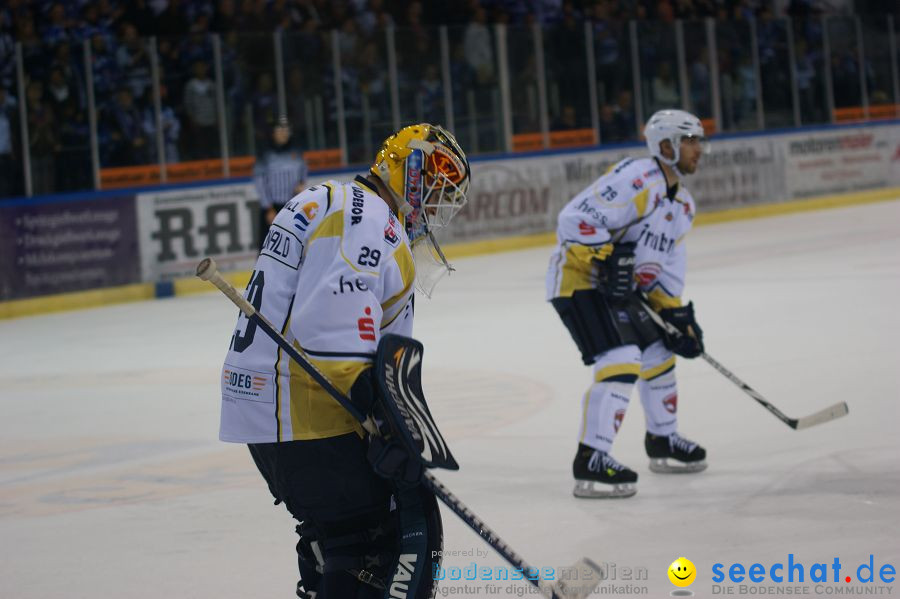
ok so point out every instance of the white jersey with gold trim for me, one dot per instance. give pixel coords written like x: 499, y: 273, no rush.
x: 630, y: 203
x: 334, y: 274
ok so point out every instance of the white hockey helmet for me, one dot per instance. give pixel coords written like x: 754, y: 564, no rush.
x: 673, y: 125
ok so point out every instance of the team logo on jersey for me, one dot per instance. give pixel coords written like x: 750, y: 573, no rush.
x: 671, y: 403
x: 391, y: 231
x: 366, y: 326
x: 586, y: 229
x: 618, y: 417
x: 637, y: 183
x: 647, y: 273
x: 669, y: 216
x: 652, y: 172
x: 307, y: 213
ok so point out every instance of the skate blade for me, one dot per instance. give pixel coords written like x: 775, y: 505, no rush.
x: 593, y: 490
x: 663, y: 466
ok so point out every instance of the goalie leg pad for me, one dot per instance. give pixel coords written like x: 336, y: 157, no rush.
x: 421, y: 542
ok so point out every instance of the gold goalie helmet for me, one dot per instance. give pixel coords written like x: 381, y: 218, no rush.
x: 427, y: 173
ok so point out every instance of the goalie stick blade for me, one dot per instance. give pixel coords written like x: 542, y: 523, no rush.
x: 822, y: 416
x: 586, y: 576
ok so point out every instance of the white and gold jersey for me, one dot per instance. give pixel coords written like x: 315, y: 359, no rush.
x: 334, y: 274
x: 630, y: 203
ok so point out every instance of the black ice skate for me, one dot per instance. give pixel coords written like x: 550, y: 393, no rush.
x: 597, y: 474
x: 674, y: 454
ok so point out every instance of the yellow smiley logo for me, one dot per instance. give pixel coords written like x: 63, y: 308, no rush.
x: 682, y: 572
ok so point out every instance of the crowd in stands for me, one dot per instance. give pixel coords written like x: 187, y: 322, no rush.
x: 52, y: 36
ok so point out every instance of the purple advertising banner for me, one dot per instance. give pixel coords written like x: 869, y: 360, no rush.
x: 49, y: 248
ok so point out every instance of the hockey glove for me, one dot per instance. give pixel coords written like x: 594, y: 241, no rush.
x: 388, y: 457
x: 616, y: 273
x: 690, y: 343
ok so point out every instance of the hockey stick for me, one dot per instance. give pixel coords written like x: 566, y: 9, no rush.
x: 822, y: 416
x: 207, y: 271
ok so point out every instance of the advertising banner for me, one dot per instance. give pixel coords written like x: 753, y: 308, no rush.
x: 841, y: 160
x: 178, y: 228
x: 56, y: 248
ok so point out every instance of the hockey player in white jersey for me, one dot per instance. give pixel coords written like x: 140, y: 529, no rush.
x: 618, y: 240
x: 336, y: 272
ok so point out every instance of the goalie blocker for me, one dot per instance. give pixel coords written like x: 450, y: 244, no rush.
x: 409, y: 439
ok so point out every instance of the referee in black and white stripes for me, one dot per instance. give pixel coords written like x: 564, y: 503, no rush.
x: 278, y: 175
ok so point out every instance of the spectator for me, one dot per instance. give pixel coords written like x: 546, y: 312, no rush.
x: 43, y: 143
x: 92, y: 24
x: 103, y: 65
x: 700, y: 83
x: 252, y: 16
x: 625, y: 116
x: 171, y: 21
x: 264, y: 108
x: 609, y: 125
x: 430, y: 95
x: 298, y: 96
x: 479, y: 50
x: 610, y: 73
x: 126, y: 132
x: 567, y: 120
x: 73, y: 160
x: 57, y: 30
x: 133, y: 62
x: 664, y: 88
x: 58, y: 91
x: 72, y: 72
x: 747, y: 89
x: 224, y: 17
x: 7, y: 54
x: 140, y: 15
x: 8, y: 163
x: 200, y: 110
x: 171, y: 128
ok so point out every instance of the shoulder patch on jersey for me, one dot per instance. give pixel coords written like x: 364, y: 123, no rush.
x: 305, y: 214
x: 392, y: 230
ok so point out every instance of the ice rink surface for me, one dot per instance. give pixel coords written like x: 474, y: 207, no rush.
x: 114, y: 484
